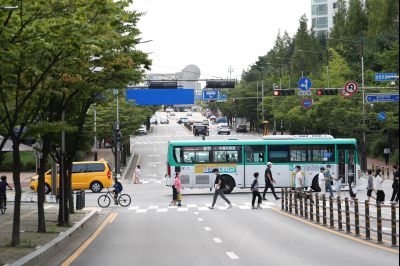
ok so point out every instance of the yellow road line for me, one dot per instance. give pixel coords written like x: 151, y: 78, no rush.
x: 338, y: 233
x: 82, y: 248
x: 113, y: 218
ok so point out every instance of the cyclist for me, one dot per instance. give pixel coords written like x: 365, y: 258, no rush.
x: 117, y: 189
x: 3, y: 196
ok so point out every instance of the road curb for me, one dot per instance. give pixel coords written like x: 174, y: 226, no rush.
x: 128, y: 171
x: 56, y: 244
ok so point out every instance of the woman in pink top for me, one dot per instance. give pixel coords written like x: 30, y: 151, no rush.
x: 178, y: 187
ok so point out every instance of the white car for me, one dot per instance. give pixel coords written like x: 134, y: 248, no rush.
x: 142, y: 130
x: 168, y: 110
x: 224, y: 129
x: 188, y: 114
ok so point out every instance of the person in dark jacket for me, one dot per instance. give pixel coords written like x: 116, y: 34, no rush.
x: 395, y: 185
x: 256, y: 193
x: 219, y: 185
x: 269, y: 181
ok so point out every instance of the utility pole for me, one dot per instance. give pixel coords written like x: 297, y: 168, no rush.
x: 364, y: 146
x: 230, y: 70
x: 262, y: 100
x: 116, y: 139
x: 95, y: 131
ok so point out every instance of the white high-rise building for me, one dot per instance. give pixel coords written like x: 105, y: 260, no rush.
x: 322, y: 12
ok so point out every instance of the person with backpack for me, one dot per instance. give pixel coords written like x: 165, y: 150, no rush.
x: 395, y: 185
x: 256, y: 193
x: 117, y: 189
x: 219, y: 185
x: 328, y: 179
x: 380, y: 194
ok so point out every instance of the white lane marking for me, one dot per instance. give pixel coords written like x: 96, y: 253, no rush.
x: 222, y: 207
x: 244, y: 207
x: 200, y: 219
x: 203, y: 208
x: 217, y: 240
x: 48, y: 207
x: 153, y: 207
x: 172, y: 207
x: 386, y: 229
x: 162, y: 210
x: 158, y: 182
x: 192, y: 205
x: 233, y: 204
x: 141, y: 210
x: 196, y: 213
x: 206, y: 228
x: 145, y: 182
x: 182, y: 209
x: 133, y: 208
x: 232, y: 255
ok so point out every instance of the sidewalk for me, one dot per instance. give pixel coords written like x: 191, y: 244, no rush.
x: 30, y: 239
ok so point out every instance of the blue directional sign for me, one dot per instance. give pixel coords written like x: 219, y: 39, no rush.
x: 386, y: 76
x: 209, y: 95
x: 160, y: 96
x: 382, y: 97
x: 381, y: 116
x: 304, y: 84
x: 222, y: 98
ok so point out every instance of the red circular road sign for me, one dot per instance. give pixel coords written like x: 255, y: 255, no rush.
x: 351, y: 87
x: 345, y: 93
x: 307, y: 102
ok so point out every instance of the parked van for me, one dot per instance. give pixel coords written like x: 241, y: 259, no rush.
x: 93, y: 175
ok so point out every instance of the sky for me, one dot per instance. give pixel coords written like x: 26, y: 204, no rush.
x: 214, y: 34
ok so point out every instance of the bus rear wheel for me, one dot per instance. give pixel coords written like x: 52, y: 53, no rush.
x: 230, y: 184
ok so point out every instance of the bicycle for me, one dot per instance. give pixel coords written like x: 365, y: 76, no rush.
x: 105, y: 200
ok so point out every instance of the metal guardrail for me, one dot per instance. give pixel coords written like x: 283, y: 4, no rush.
x: 303, y: 204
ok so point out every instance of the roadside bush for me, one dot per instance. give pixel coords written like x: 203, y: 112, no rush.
x: 28, y: 161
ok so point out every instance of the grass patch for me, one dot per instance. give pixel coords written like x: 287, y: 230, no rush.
x: 28, y: 161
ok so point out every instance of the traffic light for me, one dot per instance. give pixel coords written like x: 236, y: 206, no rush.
x: 328, y: 92
x: 283, y: 92
x: 220, y: 83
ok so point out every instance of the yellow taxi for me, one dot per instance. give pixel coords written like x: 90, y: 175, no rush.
x: 93, y: 175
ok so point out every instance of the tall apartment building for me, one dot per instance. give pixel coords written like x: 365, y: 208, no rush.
x: 322, y: 12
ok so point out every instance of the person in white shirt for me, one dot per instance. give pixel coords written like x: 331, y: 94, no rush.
x: 138, y: 175
x: 321, y: 180
x: 378, y: 187
x: 298, y: 179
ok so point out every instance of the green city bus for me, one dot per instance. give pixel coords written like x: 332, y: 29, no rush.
x: 238, y: 160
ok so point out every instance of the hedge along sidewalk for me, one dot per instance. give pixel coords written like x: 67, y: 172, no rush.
x: 31, y: 241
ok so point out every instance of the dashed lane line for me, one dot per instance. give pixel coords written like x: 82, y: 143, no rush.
x: 217, y: 240
x: 232, y: 255
x: 206, y: 228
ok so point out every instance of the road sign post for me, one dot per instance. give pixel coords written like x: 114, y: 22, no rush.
x: 351, y: 87
x: 381, y: 116
x: 307, y: 102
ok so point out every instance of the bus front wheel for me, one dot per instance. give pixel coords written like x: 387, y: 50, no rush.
x: 230, y: 184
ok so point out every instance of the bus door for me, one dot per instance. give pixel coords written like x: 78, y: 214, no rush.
x: 346, y: 163
x: 254, y: 161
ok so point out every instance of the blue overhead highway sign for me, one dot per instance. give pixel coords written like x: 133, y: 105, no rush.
x: 209, y: 95
x: 386, y: 76
x: 382, y: 97
x: 304, y: 84
x: 159, y: 97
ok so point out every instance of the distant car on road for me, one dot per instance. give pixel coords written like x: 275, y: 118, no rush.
x: 183, y: 120
x: 205, y: 122
x: 188, y: 114
x: 224, y: 129
x: 169, y: 110
x: 164, y: 120
x: 199, y: 129
x: 241, y: 128
x: 172, y: 114
x: 153, y: 120
x: 222, y: 120
x: 142, y: 130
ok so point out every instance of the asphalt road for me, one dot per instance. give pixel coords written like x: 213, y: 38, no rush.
x: 151, y: 233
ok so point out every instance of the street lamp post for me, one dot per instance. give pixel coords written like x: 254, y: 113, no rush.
x: 116, y: 137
